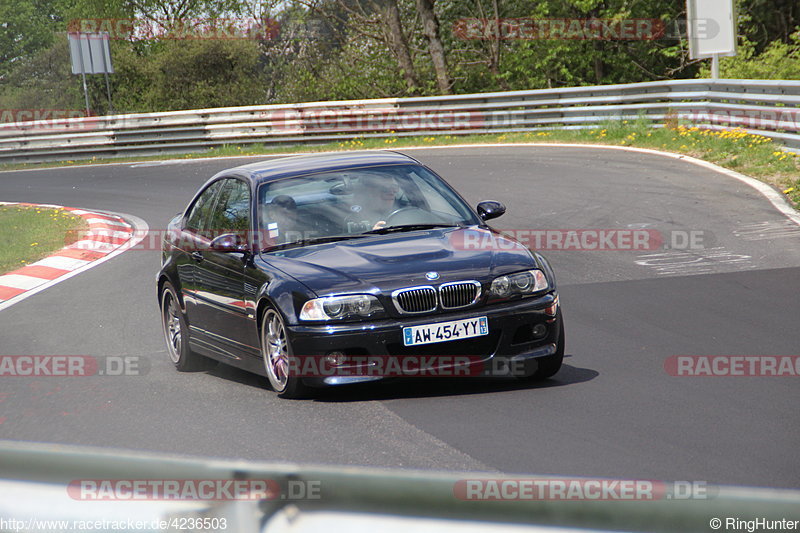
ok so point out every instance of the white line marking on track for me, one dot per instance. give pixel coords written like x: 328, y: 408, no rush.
x: 695, y: 262
x: 94, y: 246
x: 64, y: 263
x: 105, y: 221
x: 19, y: 281
x: 108, y: 233
x: 762, y: 231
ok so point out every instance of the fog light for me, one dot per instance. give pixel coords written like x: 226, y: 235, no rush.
x: 335, y: 358
x: 539, y: 331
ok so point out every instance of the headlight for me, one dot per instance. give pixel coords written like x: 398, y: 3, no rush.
x: 519, y: 284
x: 341, y: 307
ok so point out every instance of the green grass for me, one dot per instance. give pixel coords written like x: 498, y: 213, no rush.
x: 28, y: 234
x: 752, y: 155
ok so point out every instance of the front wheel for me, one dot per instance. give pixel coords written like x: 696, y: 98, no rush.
x: 276, y: 349
x: 176, y: 334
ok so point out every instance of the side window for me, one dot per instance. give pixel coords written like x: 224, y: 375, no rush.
x: 201, y: 210
x: 232, y: 212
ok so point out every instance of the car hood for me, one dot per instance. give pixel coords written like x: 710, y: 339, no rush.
x: 387, y: 262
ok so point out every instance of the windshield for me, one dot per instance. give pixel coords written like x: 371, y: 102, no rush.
x: 350, y: 203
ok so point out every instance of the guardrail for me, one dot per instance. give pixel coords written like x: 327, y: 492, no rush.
x: 353, y: 498
x: 764, y: 107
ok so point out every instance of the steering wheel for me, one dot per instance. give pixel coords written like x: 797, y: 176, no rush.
x: 413, y: 215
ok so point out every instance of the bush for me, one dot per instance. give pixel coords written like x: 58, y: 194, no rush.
x: 778, y: 61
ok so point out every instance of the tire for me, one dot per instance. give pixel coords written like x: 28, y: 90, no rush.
x: 176, y: 334
x: 550, y: 365
x: 276, y: 349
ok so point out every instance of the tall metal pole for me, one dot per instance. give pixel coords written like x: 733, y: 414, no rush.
x: 106, y: 55
x: 108, y: 93
x: 86, y: 94
x: 83, y: 77
x: 715, y: 66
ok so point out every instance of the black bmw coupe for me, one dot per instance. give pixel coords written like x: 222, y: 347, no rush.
x: 347, y: 267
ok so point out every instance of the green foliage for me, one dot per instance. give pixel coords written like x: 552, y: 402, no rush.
x: 361, y: 69
x: 195, y: 74
x: 43, y: 80
x: 550, y: 62
x: 342, y: 53
x: 25, y: 28
x: 778, y: 61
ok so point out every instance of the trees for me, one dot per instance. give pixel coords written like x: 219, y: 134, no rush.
x: 430, y: 28
x: 779, y: 60
x: 356, y: 49
x: 25, y: 28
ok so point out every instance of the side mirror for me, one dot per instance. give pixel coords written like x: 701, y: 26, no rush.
x: 489, y: 209
x: 228, y: 243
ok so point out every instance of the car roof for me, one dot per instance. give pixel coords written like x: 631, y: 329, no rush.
x: 285, y: 167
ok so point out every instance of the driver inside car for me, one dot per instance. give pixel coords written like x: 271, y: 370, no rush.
x: 375, y: 200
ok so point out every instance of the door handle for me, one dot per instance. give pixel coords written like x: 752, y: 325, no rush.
x: 197, y: 256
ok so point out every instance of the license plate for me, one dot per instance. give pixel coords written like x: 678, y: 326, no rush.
x: 446, y: 331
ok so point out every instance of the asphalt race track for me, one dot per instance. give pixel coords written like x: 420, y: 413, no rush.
x: 612, y: 411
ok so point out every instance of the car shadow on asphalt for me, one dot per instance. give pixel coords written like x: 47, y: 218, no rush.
x: 405, y: 388
x: 399, y: 388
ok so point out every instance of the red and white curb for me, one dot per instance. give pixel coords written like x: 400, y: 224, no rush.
x: 108, y: 235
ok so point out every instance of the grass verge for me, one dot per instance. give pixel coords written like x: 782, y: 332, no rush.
x: 753, y: 155
x: 28, y: 234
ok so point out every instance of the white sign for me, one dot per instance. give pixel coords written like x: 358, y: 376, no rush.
x: 712, y: 28
x: 90, y: 53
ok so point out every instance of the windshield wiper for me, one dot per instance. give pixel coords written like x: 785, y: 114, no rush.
x: 408, y: 227
x: 316, y: 240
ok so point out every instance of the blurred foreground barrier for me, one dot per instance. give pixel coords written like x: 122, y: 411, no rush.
x: 46, y: 487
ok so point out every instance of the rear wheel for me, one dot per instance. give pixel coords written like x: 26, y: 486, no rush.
x: 176, y: 334
x: 276, y: 349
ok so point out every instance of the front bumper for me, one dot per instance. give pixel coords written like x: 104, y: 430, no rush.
x: 508, y: 350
